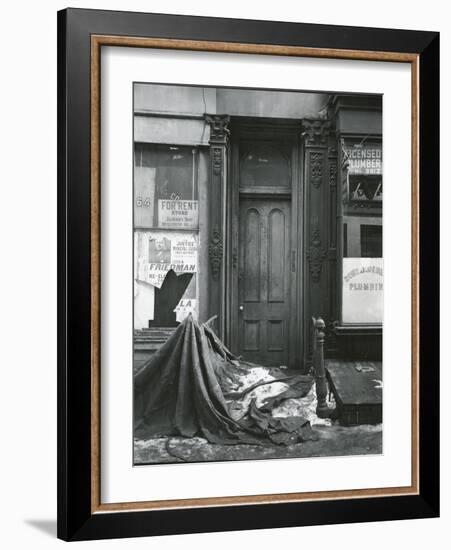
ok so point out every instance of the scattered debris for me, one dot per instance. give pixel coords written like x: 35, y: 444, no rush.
x: 194, y: 386
x: 195, y: 401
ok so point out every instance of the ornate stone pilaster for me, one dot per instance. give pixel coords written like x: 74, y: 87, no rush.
x: 316, y: 168
x: 219, y: 134
x: 315, y: 254
x: 332, y: 167
x: 333, y: 177
x: 215, y: 253
x: 316, y: 131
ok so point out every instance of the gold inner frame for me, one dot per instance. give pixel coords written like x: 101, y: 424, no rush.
x: 97, y: 41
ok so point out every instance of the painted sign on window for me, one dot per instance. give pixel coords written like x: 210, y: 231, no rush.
x: 363, y: 290
x: 178, y: 214
x: 144, y: 191
x: 364, y: 159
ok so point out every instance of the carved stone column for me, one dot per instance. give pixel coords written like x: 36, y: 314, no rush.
x: 315, y: 132
x: 334, y: 234
x: 219, y: 134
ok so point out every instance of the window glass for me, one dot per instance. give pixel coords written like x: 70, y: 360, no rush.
x: 362, y: 236
x: 166, y: 221
x: 371, y: 241
x: 362, y: 198
x: 265, y: 165
x: 365, y: 191
x: 166, y: 190
x: 362, y: 285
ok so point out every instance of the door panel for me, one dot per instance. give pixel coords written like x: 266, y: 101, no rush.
x: 276, y: 255
x: 252, y: 255
x: 264, y: 280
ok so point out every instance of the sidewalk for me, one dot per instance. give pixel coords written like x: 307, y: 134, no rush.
x: 332, y: 440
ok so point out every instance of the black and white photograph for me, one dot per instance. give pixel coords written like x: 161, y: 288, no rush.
x: 258, y: 272
x: 234, y: 309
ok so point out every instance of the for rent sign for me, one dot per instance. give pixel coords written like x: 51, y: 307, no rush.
x: 178, y: 214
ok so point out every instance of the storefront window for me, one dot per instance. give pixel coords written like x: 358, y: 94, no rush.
x: 362, y: 285
x: 166, y: 222
x: 371, y: 241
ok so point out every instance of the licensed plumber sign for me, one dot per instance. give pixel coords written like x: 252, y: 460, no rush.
x: 364, y: 159
x: 363, y: 290
x: 178, y: 214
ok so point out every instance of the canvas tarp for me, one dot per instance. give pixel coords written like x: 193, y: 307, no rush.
x: 191, y: 387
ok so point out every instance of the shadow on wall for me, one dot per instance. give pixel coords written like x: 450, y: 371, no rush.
x: 46, y: 526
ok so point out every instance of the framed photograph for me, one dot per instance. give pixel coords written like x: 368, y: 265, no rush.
x: 248, y: 274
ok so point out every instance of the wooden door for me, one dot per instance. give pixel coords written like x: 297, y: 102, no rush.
x: 264, y: 280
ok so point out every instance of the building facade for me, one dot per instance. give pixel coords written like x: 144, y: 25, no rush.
x: 262, y: 209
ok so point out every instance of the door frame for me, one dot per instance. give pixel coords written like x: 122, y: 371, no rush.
x: 266, y: 130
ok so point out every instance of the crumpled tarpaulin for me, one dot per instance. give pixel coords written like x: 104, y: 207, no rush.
x: 191, y: 385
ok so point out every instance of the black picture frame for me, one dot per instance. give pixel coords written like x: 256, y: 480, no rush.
x: 76, y: 520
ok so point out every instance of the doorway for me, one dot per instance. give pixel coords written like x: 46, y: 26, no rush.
x: 264, y: 281
x: 265, y: 274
